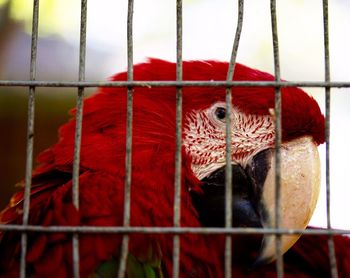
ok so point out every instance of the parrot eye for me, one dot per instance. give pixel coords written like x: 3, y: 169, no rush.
x: 220, y: 113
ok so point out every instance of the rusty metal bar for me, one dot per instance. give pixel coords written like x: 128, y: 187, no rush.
x: 278, y: 139
x: 178, y: 146
x: 30, y: 137
x: 78, y: 133
x: 128, y: 154
x: 169, y: 230
x: 148, y: 84
x: 239, y: 26
x: 331, y: 247
x: 228, y: 169
x: 228, y: 186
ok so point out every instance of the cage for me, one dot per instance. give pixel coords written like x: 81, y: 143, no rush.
x: 177, y: 230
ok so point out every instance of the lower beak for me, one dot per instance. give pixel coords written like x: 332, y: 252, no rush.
x: 254, y: 194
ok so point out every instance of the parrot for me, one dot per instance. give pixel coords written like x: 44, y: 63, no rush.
x: 202, y: 180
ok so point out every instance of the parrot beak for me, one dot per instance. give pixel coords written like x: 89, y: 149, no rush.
x: 253, y: 199
x: 300, y: 186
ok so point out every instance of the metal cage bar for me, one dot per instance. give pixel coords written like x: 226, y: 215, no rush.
x: 228, y: 168
x: 178, y: 143
x: 170, y: 230
x: 150, y: 83
x: 278, y: 138
x: 78, y: 133
x: 30, y: 137
x: 128, y: 153
x: 331, y: 248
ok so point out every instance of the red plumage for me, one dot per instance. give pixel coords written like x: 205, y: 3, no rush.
x: 102, y: 175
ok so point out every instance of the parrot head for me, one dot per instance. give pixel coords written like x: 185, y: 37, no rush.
x: 253, y: 161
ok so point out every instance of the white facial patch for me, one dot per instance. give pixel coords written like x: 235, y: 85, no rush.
x: 205, y: 137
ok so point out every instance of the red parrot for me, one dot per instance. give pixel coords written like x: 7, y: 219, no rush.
x: 102, y: 173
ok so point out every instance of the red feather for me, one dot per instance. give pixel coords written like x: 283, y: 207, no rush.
x: 103, y: 169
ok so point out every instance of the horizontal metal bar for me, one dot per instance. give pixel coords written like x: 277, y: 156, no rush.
x: 72, y: 84
x: 169, y: 230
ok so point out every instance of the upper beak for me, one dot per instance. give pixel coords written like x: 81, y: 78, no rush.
x: 300, y: 187
x: 254, y: 194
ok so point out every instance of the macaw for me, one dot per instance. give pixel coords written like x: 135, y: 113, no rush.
x: 102, y: 174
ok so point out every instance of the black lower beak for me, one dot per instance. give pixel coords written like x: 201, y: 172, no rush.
x: 247, y: 206
x: 211, y: 204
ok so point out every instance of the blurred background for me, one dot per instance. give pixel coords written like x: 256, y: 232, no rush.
x: 209, y: 28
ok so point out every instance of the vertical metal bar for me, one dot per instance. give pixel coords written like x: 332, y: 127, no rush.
x: 332, y: 257
x: 30, y: 137
x: 78, y: 133
x: 228, y: 170
x: 278, y: 138
x: 178, y: 158
x: 128, y: 155
x: 228, y: 186
x: 239, y: 26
